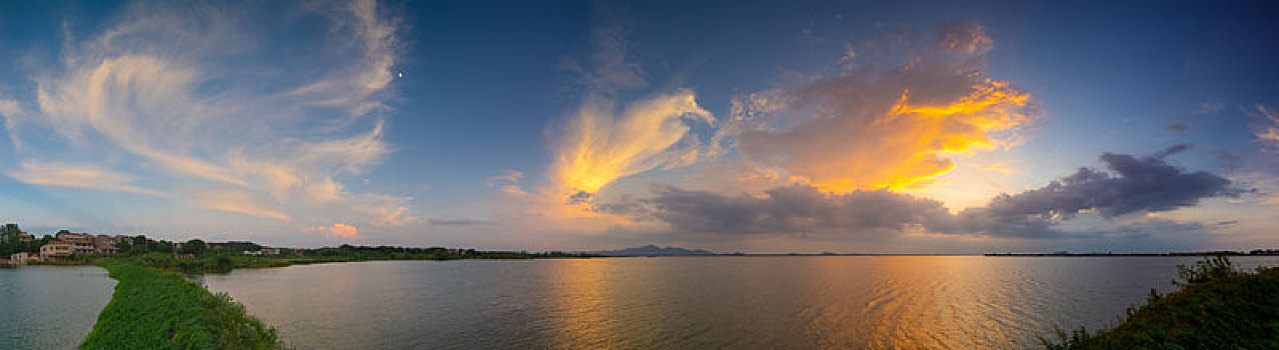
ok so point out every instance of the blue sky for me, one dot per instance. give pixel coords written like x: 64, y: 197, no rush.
x: 734, y: 126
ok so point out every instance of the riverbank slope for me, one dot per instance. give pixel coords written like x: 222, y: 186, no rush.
x: 154, y: 309
x: 1219, y: 307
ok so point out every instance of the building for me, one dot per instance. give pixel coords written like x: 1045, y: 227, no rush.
x: 83, y: 242
x: 104, y: 244
x: 263, y: 251
x: 101, y: 240
x: 57, y: 249
x: 86, y: 244
x: 20, y: 258
x: 24, y: 237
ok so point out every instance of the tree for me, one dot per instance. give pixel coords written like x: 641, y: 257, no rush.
x: 36, y: 244
x: 140, y: 243
x: 7, y: 245
x: 162, y: 246
x: 124, y: 246
x: 9, y: 241
x: 194, y: 246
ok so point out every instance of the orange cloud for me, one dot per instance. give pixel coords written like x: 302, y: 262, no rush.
x: 339, y: 230
x: 897, y: 128
x: 236, y: 201
x: 597, y: 147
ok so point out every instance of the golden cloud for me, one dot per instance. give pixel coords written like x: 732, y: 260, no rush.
x: 598, y: 147
x: 897, y: 128
x: 339, y: 230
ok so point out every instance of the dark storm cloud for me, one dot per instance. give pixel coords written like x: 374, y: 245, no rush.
x: 1132, y: 184
x: 1129, y: 185
x: 788, y: 209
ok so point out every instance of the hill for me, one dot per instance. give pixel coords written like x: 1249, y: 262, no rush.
x: 653, y: 250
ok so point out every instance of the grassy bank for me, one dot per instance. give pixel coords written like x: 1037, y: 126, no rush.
x: 154, y: 309
x: 1218, y: 307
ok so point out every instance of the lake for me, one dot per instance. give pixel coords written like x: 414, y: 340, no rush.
x: 50, y: 307
x: 698, y: 302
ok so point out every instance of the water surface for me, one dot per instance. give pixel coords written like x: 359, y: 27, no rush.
x: 50, y: 307
x: 698, y: 302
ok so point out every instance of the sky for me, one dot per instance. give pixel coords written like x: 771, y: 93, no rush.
x: 735, y: 126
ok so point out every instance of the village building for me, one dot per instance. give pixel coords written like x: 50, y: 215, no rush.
x: 263, y: 251
x: 84, y: 243
x: 20, y: 258
x: 57, y: 249
x: 105, y: 244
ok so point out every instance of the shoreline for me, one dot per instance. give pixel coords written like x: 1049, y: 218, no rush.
x: 135, y: 292
x: 1217, y: 305
x: 1170, y: 254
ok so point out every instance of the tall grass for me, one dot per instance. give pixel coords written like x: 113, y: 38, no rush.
x: 154, y: 309
x: 1217, y: 307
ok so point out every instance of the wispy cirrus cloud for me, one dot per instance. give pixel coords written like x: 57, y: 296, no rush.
x: 201, y: 101
x: 1267, y: 131
x: 598, y: 147
x: 605, y: 139
x: 84, y: 176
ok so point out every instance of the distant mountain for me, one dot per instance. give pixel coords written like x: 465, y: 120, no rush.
x: 652, y: 250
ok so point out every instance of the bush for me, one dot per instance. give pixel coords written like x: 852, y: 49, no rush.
x: 1208, y: 269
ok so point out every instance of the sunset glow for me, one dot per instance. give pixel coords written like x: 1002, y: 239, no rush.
x: 762, y: 127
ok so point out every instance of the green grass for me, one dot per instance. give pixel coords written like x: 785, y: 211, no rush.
x: 154, y: 309
x: 1218, y: 307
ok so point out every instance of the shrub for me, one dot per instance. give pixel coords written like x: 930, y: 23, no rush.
x: 1205, y: 270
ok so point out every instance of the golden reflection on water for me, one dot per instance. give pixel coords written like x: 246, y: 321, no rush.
x: 695, y: 302
x: 836, y: 302
x: 580, y: 304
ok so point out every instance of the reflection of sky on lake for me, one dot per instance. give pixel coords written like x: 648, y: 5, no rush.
x: 50, y: 307
x: 720, y: 302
